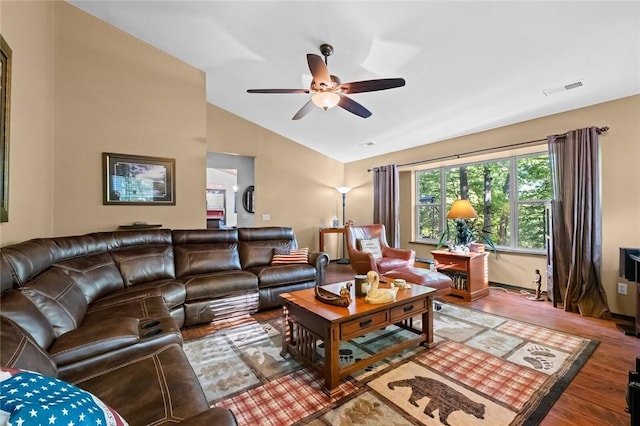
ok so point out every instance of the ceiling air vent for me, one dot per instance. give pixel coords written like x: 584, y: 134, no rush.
x: 564, y: 88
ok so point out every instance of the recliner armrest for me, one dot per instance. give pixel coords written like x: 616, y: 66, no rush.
x: 362, y: 262
x: 319, y: 260
x: 404, y: 254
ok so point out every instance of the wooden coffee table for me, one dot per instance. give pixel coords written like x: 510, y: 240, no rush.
x: 308, y: 321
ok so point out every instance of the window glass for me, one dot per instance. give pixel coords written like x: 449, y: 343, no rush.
x: 531, y: 226
x: 429, y: 210
x: 486, y: 186
x: 510, y: 221
x: 534, y: 181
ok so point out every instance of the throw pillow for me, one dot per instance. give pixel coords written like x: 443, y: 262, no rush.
x: 31, y: 398
x: 282, y: 250
x: 294, y: 256
x: 372, y: 246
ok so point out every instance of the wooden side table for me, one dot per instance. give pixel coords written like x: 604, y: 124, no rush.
x: 469, y: 272
x: 329, y: 231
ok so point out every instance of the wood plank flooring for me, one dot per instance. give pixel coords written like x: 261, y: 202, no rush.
x: 595, y: 397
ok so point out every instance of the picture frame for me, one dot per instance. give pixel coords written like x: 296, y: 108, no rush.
x: 5, y: 107
x: 138, y: 180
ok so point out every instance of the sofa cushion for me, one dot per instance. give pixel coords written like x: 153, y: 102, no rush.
x: 141, y: 307
x: 23, y: 261
x: 59, y: 299
x: 220, y: 284
x: 23, y: 312
x: 280, y: 275
x: 388, y: 263
x: 96, y: 275
x: 142, y: 264
x: 257, y: 244
x: 171, y: 290
x: 94, y: 339
x: 63, y: 401
x: 152, y: 388
x: 192, y: 259
x: 19, y: 350
x: 254, y: 254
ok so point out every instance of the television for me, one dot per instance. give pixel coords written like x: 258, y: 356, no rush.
x: 630, y: 264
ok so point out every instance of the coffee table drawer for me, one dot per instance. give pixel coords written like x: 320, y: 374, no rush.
x: 407, y: 310
x: 363, y: 325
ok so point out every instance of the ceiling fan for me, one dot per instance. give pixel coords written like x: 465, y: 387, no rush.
x: 328, y: 91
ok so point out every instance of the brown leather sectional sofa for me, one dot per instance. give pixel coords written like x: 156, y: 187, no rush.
x: 104, y: 310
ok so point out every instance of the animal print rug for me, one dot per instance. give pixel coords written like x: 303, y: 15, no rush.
x: 483, y: 370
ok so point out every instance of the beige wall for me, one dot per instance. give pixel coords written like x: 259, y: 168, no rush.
x: 115, y: 93
x: 620, y: 191
x: 28, y: 29
x: 295, y: 185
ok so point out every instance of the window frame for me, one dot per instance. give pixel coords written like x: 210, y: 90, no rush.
x: 514, y: 201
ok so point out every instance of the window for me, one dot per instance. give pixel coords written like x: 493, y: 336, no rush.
x: 510, y: 210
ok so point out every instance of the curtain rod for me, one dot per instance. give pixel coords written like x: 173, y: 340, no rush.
x: 600, y: 130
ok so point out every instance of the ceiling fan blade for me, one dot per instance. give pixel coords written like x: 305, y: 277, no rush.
x: 353, y: 107
x: 372, y: 85
x: 278, y: 91
x: 306, y: 109
x: 318, y: 70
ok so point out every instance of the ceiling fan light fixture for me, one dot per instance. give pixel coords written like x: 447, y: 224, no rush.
x: 325, y: 100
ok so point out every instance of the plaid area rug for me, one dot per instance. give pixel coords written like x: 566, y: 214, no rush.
x: 483, y: 370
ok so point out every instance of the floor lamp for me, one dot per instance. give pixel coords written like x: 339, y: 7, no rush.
x: 343, y: 190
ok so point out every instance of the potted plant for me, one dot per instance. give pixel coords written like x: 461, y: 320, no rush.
x: 464, y: 234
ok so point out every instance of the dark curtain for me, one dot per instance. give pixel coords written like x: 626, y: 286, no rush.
x: 576, y: 219
x: 386, y: 201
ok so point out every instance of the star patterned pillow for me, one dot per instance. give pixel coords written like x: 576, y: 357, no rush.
x: 28, y: 398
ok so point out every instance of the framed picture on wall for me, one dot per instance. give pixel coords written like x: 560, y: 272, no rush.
x: 138, y: 180
x: 5, y: 98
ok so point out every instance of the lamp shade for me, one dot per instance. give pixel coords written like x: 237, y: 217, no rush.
x: 344, y: 189
x: 462, y: 209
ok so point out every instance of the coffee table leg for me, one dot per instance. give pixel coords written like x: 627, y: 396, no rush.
x: 332, y: 361
x: 427, y: 323
x: 286, y: 331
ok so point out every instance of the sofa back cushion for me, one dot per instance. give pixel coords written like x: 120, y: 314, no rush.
x: 59, y: 299
x: 197, y: 259
x: 205, y: 251
x: 95, y: 275
x: 17, y: 307
x: 143, y: 264
x: 23, y: 261
x: 257, y: 244
x: 20, y: 350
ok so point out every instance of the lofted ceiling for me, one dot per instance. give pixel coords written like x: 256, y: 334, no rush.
x: 469, y: 65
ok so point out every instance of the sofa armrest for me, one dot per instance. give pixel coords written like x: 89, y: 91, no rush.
x: 90, y: 341
x: 218, y: 416
x: 362, y: 262
x: 404, y: 254
x: 319, y: 260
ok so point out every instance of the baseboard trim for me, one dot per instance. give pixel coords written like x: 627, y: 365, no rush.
x: 513, y: 287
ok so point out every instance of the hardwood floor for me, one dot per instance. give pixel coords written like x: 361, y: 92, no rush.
x: 597, y: 394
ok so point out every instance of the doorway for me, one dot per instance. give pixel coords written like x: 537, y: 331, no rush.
x: 228, y: 177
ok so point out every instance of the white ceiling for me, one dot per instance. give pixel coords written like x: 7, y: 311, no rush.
x: 469, y: 66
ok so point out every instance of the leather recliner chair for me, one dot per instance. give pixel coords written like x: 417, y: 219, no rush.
x: 363, y: 262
